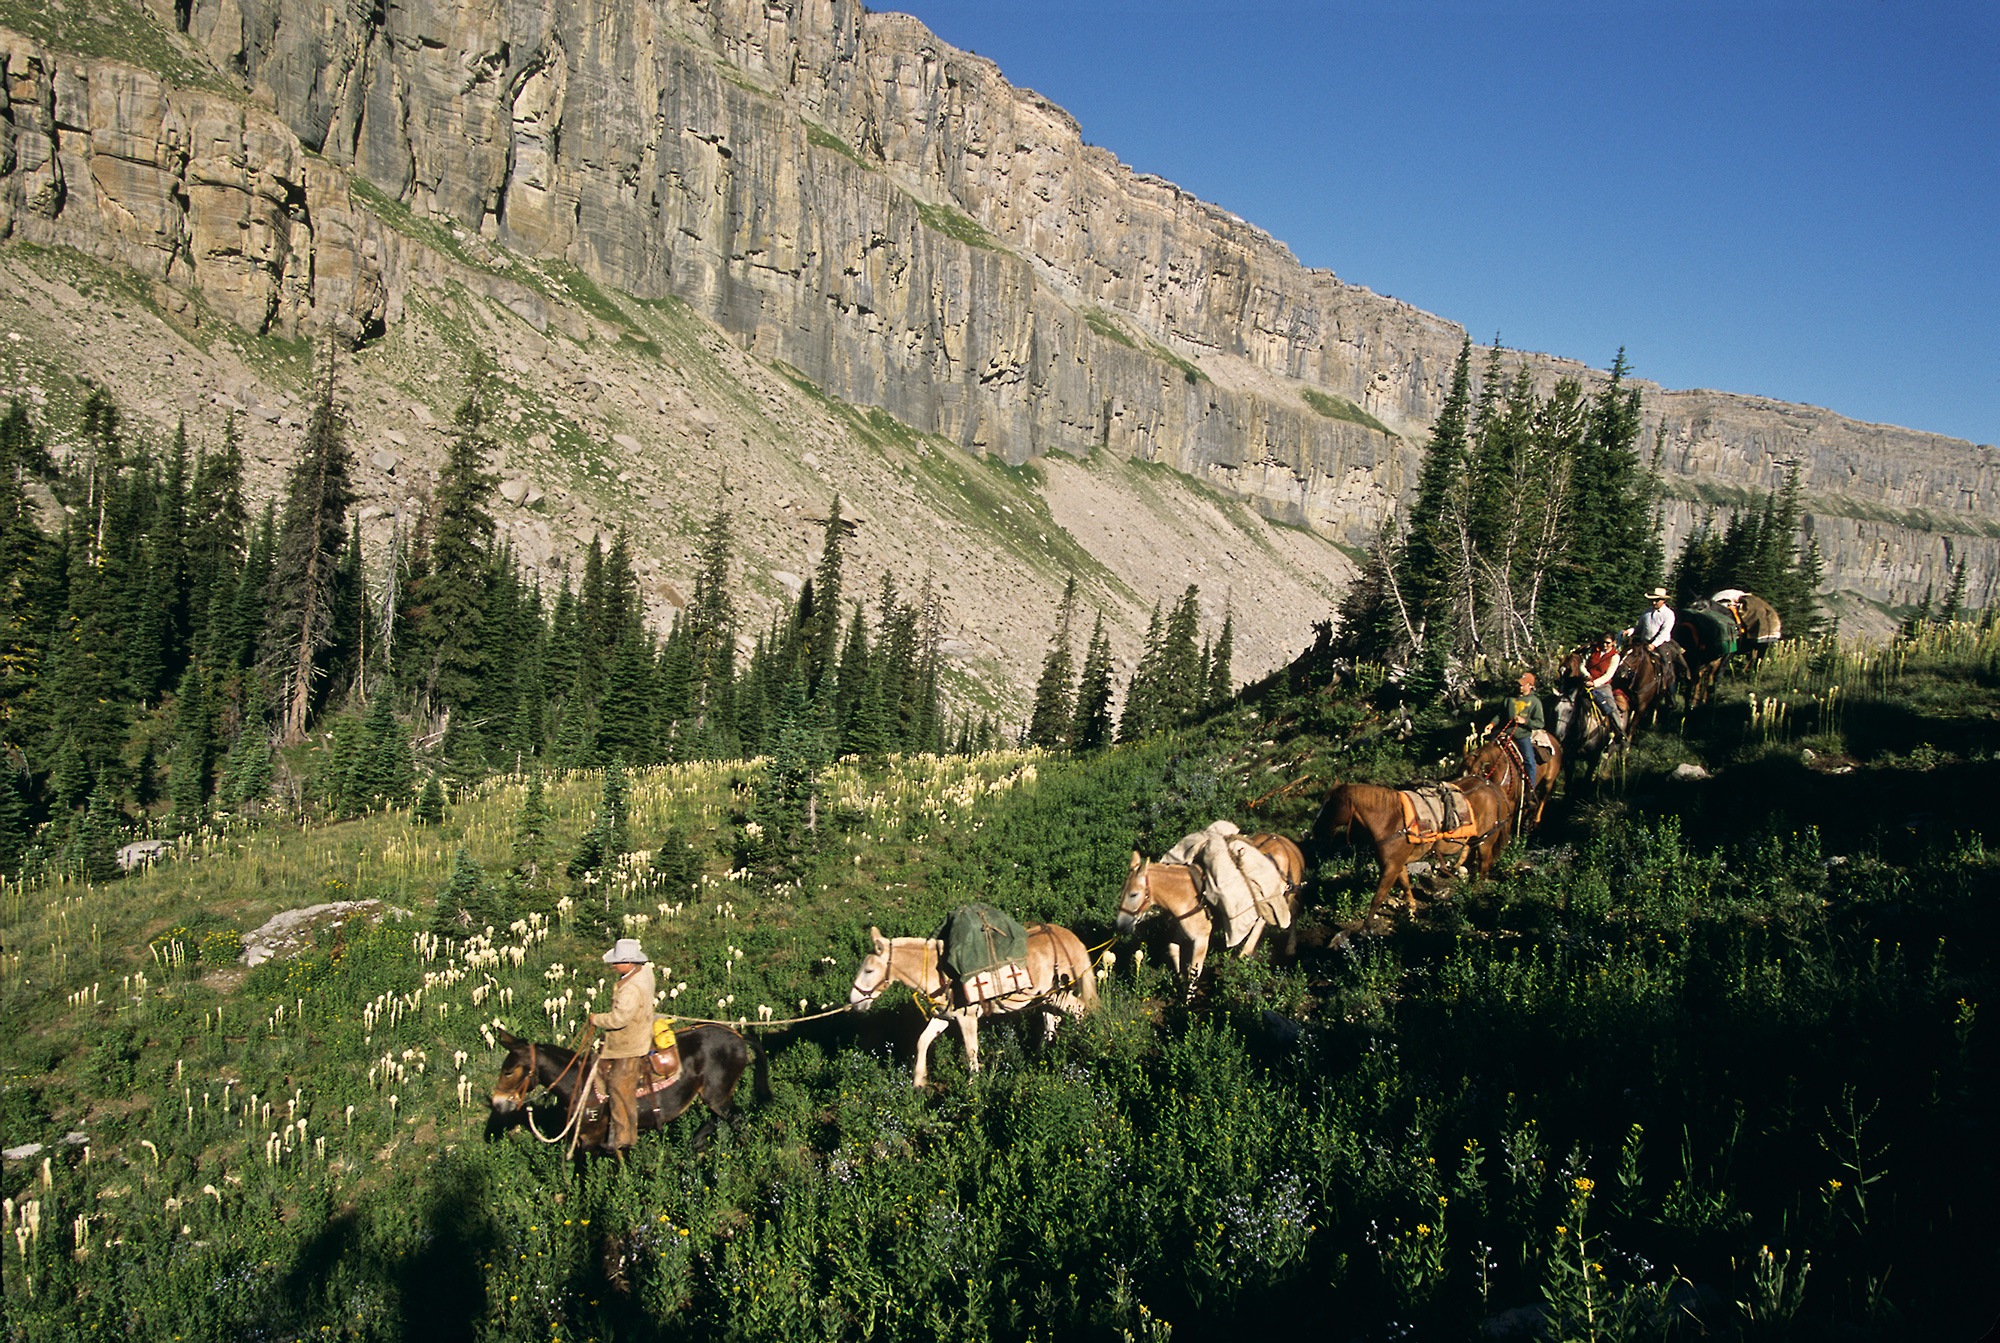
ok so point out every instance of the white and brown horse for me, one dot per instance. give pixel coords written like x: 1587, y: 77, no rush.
x: 1058, y: 973
x: 1179, y: 890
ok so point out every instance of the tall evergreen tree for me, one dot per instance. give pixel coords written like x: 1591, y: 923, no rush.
x: 1429, y: 568
x: 1143, y: 716
x: 305, y: 566
x: 1092, y: 728
x: 1053, y: 720
x: 820, y: 627
x: 1221, y: 677
x: 453, y: 594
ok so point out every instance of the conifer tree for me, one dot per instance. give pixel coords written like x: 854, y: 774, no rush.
x: 1428, y: 568
x: 25, y: 594
x: 430, y: 803
x: 610, y: 835
x: 1142, y: 715
x: 1092, y: 728
x: 193, y: 752
x: 305, y: 565
x: 1181, y: 687
x: 1221, y: 678
x: 1053, y: 720
x: 1614, y: 549
x: 711, y: 629
x: 532, y: 825
x: 464, y: 906
x: 453, y: 595
x: 819, y: 627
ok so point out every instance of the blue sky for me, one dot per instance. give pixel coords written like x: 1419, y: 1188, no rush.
x: 1790, y: 199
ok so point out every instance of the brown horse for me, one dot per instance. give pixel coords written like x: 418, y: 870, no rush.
x: 1706, y: 638
x: 713, y: 1060
x: 1497, y: 763
x: 1639, y: 678
x: 1380, y: 812
x: 1058, y: 972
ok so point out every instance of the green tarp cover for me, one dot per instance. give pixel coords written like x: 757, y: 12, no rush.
x: 1716, y: 631
x: 979, y: 937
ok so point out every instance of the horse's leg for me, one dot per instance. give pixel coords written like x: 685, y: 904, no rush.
x: 932, y: 1031
x: 968, y: 1032
x: 1249, y: 946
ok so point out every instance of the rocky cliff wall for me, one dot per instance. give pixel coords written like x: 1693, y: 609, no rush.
x: 848, y: 195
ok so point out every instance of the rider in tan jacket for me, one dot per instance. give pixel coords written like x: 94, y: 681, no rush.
x: 628, y: 1035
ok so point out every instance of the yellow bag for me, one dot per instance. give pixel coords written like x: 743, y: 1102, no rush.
x: 663, y: 1034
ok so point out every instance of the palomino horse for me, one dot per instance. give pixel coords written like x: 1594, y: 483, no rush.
x: 1497, y: 763
x: 1380, y: 812
x: 1179, y: 890
x: 1058, y: 971
x: 713, y: 1059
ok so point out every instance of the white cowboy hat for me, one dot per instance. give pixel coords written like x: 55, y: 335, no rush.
x: 1657, y: 595
x: 626, y: 952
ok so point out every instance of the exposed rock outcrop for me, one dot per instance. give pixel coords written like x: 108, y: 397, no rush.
x: 848, y: 196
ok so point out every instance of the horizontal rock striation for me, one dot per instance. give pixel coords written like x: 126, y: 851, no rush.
x: 850, y: 196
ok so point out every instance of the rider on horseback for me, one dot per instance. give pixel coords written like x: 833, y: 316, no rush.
x: 1654, y: 632
x: 1522, y: 716
x: 628, y: 1038
x: 1599, y: 666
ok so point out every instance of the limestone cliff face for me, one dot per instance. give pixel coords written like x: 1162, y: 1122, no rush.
x: 846, y: 194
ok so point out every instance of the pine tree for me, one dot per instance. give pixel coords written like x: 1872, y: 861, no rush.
x: 1221, y: 679
x: 1053, y: 720
x: 711, y: 628
x: 430, y: 803
x: 97, y: 847
x: 193, y: 752
x: 820, y: 627
x: 218, y: 532
x: 532, y: 825
x: 1093, y: 727
x: 1142, y: 716
x: 1181, y: 683
x: 1614, y: 539
x: 1428, y: 569
x: 610, y: 835
x: 454, y: 593
x: 300, y: 603
x: 464, y: 906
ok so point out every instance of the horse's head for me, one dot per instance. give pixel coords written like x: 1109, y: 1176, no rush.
x: 1492, y: 762
x: 517, y: 1074
x: 873, y: 976
x: 1137, y: 897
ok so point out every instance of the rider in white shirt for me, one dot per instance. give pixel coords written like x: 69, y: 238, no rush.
x: 1654, y: 632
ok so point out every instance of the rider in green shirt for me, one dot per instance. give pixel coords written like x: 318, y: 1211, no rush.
x: 1522, y: 716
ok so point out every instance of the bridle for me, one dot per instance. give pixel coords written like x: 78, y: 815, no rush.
x: 528, y: 1081
x: 1141, y: 888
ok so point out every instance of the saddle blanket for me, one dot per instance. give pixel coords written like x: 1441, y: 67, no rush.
x: 996, y: 982
x: 1545, y: 744
x: 1436, y: 813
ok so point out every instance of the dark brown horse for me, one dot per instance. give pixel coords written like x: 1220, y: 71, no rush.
x: 713, y: 1060
x: 1380, y: 812
x: 1498, y: 764
x: 1707, y: 638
